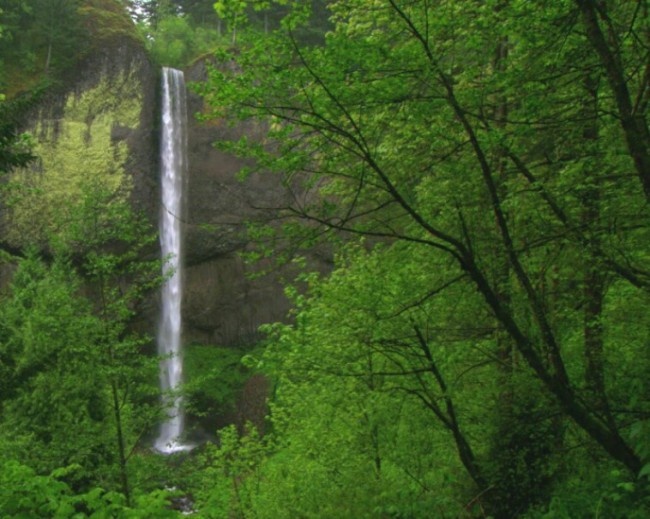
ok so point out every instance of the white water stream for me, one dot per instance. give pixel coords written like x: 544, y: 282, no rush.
x: 173, y: 161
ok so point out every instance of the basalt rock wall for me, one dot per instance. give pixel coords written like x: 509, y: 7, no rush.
x: 98, y: 129
x: 223, y: 305
x: 102, y: 127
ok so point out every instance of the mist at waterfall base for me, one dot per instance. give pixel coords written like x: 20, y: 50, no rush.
x: 173, y: 161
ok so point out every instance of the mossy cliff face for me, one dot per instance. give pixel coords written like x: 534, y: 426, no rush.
x: 102, y: 128
x: 97, y: 131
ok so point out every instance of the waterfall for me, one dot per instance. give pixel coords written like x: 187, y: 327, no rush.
x: 173, y: 162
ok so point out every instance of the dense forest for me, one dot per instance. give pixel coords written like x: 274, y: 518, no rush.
x: 479, y: 174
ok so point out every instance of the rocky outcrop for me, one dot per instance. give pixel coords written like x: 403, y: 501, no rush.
x: 223, y: 305
x: 102, y: 128
x: 97, y: 130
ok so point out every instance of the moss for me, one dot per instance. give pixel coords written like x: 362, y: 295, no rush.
x: 84, y: 145
x: 119, y: 99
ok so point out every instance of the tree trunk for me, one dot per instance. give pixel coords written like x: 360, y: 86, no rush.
x: 120, y: 444
x: 634, y: 125
x: 48, y: 58
x: 594, y: 278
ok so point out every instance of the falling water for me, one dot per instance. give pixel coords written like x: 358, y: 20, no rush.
x: 173, y: 159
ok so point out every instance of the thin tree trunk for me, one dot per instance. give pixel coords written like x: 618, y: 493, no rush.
x: 634, y: 125
x: 502, y: 275
x: 120, y: 444
x: 48, y: 57
x: 594, y: 282
x: 450, y: 420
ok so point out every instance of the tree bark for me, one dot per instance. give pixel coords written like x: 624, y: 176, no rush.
x: 634, y: 125
x: 610, y: 440
x: 124, y: 479
x: 465, y: 452
x: 594, y: 279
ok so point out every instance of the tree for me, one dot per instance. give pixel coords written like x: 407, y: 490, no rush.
x: 380, y: 389
x: 112, y: 241
x: 266, y: 15
x: 598, y: 18
x: 57, y: 24
x: 54, y: 339
x: 151, y: 11
x: 14, y: 16
x: 399, y: 123
x: 24, y: 493
x: 202, y: 12
x: 15, y: 146
x: 40, y: 42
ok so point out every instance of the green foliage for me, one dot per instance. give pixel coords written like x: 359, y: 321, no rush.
x: 492, y: 157
x: 48, y: 333
x: 522, y: 462
x: 54, y: 339
x: 589, y: 494
x: 177, y: 37
x: 41, y: 38
x: 107, y: 22
x: 230, y: 474
x: 85, y: 130
x: 16, y: 148
x: 262, y: 15
x: 176, y: 43
x: 234, y: 11
x: 214, y: 377
x: 348, y: 440
x: 24, y: 493
x: 480, y: 347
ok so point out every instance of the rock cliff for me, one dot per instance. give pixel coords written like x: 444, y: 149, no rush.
x: 223, y: 305
x: 99, y: 129
x: 102, y: 127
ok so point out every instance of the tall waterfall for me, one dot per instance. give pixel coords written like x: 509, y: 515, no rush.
x: 173, y: 160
